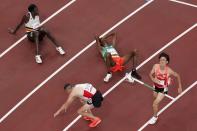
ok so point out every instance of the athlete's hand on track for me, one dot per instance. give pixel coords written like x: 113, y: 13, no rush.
x: 57, y: 113
x: 11, y: 31
x: 180, y: 90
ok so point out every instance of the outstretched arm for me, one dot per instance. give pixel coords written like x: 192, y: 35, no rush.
x: 65, y: 105
x: 23, y: 20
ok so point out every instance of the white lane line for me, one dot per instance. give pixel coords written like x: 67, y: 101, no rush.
x: 150, y: 87
x: 68, y: 62
x: 79, y: 116
x: 45, y: 21
x: 184, y: 3
x: 167, y: 45
x: 140, y: 8
x: 169, y: 104
x: 143, y: 63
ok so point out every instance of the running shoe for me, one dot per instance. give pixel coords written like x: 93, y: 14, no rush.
x: 153, y: 120
x: 135, y: 74
x: 38, y: 59
x: 129, y: 78
x: 95, y: 122
x: 60, y: 50
x: 107, y: 77
x: 87, y: 118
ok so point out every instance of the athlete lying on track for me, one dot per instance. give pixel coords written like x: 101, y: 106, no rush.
x: 112, y: 59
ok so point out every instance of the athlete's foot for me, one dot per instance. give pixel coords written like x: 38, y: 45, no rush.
x: 95, y: 122
x: 129, y: 78
x: 87, y: 118
x: 38, y: 59
x: 107, y: 77
x: 153, y: 120
x: 135, y: 74
x: 60, y: 50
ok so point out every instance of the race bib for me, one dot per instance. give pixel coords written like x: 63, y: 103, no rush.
x: 162, y: 82
x: 90, y: 88
x: 165, y: 89
x: 112, y: 51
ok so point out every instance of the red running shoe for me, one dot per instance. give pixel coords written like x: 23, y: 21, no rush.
x: 95, y: 122
x: 87, y: 118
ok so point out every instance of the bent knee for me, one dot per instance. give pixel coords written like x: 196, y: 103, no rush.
x: 43, y: 30
x: 134, y: 53
x: 79, y: 111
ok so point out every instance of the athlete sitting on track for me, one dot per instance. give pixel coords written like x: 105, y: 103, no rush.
x: 160, y: 75
x: 89, y: 96
x: 111, y: 57
x: 35, y: 33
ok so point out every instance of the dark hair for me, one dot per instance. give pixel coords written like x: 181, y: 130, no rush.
x: 31, y: 7
x: 163, y: 54
x: 67, y: 86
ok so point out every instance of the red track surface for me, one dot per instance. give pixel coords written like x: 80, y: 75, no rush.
x: 128, y: 107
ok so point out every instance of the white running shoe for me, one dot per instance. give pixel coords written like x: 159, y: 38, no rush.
x: 107, y: 77
x: 38, y: 59
x: 60, y: 50
x: 129, y: 78
x: 153, y: 120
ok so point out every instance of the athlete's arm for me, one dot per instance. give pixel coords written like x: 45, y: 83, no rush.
x: 151, y: 75
x: 114, y: 37
x: 23, y: 20
x: 171, y: 72
x: 66, y: 104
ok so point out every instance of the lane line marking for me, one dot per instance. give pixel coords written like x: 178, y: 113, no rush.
x: 167, y: 45
x: 143, y: 63
x: 45, y: 21
x: 68, y: 62
x: 169, y: 104
x: 184, y: 3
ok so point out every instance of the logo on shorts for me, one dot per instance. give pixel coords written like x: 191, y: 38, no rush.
x: 89, y: 101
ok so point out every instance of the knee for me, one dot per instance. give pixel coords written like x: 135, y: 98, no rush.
x: 44, y: 31
x: 134, y: 53
x: 78, y: 111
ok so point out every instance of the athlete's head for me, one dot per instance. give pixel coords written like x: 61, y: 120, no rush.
x: 68, y: 87
x: 33, y: 8
x: 164, y: 59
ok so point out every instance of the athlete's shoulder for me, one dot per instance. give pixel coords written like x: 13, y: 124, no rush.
x: 170, y: 70
x: 155, y: 66
x: 26, y: 17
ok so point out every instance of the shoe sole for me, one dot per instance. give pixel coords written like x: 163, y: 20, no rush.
x: 95, y: 124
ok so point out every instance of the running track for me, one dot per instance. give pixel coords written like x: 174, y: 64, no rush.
x: 128, y: 107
